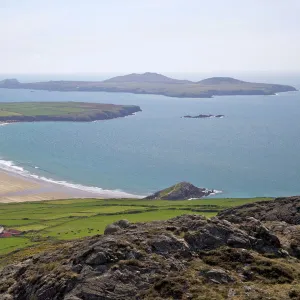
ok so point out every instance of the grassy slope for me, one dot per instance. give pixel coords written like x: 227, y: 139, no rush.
x: 70, y: 219
x: 30, y: 109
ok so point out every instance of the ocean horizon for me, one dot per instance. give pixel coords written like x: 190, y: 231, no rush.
x: 253, y: 151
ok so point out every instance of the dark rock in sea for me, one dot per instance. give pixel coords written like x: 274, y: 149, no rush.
x: 201, y: 116
x: 181, y: 258
x: 181, y: 191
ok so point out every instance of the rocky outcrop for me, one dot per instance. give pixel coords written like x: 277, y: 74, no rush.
x: 218, y: 276
x: 182, y: 258
x: 146, y: 77
x: 285, y: 209
x: 281, y: 216
x: 181, y: 191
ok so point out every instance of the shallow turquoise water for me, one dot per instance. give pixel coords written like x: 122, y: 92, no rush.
x: 253, y: 151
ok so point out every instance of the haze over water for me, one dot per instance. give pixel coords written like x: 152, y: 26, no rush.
x: 253, y: 151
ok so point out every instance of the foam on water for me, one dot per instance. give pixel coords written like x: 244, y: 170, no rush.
x: 9, y: 166
x: 215, y: 192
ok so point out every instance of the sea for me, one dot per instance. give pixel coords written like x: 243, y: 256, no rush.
x: 254, y: 151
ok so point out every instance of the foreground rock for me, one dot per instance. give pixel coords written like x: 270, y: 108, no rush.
x: 281, y: 216
x: 181, y: 191
x: 188, y: 257
x: 285, y: 209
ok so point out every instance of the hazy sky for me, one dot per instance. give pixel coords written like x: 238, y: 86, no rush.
x: 65, y: 36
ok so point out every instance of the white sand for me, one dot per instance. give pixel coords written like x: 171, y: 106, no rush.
x: 16, y: 188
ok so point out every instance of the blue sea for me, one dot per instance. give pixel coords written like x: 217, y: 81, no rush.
x: 253, y: 151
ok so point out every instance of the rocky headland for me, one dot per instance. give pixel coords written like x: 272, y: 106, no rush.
x: 63, y: 111
x: 249, y: 252
x: 181, y: 191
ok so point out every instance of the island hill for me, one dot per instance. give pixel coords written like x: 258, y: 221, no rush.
x: 157, y: 84
x: 62, y: 111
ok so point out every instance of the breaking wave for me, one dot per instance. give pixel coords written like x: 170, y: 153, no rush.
x: 10, y: 166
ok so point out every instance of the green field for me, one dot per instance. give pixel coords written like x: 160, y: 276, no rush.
x: 50, y: 221
x: 64, y: 111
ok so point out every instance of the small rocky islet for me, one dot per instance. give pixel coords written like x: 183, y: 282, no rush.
x: 203, y: 116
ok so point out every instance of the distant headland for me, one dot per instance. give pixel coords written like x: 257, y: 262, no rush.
x: 157, y: 84
x: 11, y: 112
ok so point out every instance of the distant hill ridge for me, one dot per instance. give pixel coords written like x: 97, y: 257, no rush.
x: 157, y: 84
x: 146, y: 77
x: 221, y: 80
x: 156, y: 77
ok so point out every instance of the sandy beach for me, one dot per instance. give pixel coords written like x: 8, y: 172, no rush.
x: 18, y: 188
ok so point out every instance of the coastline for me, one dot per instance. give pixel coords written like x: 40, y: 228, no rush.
x: 16, y: 187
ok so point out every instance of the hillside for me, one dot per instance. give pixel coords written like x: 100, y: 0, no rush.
x: 62, y: 111
x: 157, y: 84
x: 146, y: 77
x: 220, y: 80
x: 187, y: 257
x: 52, y: 221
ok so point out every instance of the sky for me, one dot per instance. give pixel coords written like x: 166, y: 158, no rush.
x: 125, y: 36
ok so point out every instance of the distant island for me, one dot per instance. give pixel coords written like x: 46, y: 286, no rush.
x: 62, y: 111
x: 203, y: 116
x: 157, y: 84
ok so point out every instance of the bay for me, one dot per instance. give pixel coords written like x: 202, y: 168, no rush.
x: 253, y: 151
